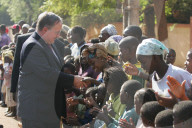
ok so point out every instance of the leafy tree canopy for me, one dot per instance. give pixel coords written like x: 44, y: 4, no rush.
x: 27, y: 10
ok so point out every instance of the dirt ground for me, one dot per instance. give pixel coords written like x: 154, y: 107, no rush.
x: 7, y: 122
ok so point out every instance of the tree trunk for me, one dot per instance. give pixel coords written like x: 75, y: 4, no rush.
x: 149, y: 21
x: 134, y: 12
x: 159, y: 7
x: 125, y: 13
x: 118, y: 6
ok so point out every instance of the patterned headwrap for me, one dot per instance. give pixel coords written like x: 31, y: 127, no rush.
x: 151, y: 46
x: 117, y: 38
x: 7, y: 53
x: 110, y: 29
x: 112, y: 46
x: 95, y: 50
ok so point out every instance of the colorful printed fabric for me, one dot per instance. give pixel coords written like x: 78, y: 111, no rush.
x: 151, y: 46
x: 117, y: 38
x: 111, y: 30
x: 112, y: 47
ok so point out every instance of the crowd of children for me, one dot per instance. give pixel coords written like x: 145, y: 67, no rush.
x: 131, y: 82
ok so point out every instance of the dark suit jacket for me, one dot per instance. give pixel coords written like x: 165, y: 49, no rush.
x: 60, y: 47
x: 16, y: 64
x: 41, y: 83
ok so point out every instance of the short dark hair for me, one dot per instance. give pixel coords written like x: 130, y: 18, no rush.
x: 164, y: 118
x: 47, y: 19
x: 34, y: 24
x: 131, y: 87
x: 148, y: 95
x: 70, y: 66
x: 182, y: 111
x: 21, y: 22
x: 115, y: 76
x: 79, y: 30
x: 133, y: 30
x: 129, y: 42
x: 149, y: 110
x: 3, y: 27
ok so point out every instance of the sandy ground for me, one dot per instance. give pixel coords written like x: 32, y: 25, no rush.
x: 7, y: 122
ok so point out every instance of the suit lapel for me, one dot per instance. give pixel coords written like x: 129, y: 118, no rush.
x: 57, y: 53
x: 48, y: 50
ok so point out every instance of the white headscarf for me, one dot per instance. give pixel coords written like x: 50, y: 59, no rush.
x: 111, y: 30
x: 151, y: 46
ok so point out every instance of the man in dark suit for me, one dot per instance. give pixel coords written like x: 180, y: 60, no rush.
x: 40, y: 75
x: 19, y: 43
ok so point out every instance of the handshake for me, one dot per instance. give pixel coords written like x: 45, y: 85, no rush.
x: 84, y: 82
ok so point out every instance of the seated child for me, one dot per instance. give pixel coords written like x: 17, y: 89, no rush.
x: 182, y: 114
x: 127, y: 93
x: 141, y: 96
x: 149, y: 111
x: 164, y: 119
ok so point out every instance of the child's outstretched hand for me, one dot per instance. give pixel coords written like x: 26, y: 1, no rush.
x: 176, y: 88
x: 90, y: 102
x: 125, y: 124
x: 72, y: 102
x: 168, y: 102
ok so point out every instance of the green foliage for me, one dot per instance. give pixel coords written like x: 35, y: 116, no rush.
x: 6, y: 18
x: 84, y: 12
x: 143, y: 5
x: 22, y: 9
x: 180, y: 11
x: 87, y: 19
x: 176, y: 11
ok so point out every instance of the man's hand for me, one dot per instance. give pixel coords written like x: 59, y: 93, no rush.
x: 89, y: 80
x: 168, y: 102
x: 176, y: 88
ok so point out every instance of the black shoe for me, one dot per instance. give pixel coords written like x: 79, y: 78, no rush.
x: 3, y: 105
x: 12, y: 114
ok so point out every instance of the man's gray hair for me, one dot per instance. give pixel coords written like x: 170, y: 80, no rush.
x: 47, y: 19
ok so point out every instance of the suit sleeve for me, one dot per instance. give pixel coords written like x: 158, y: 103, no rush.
x: 34, y: 60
